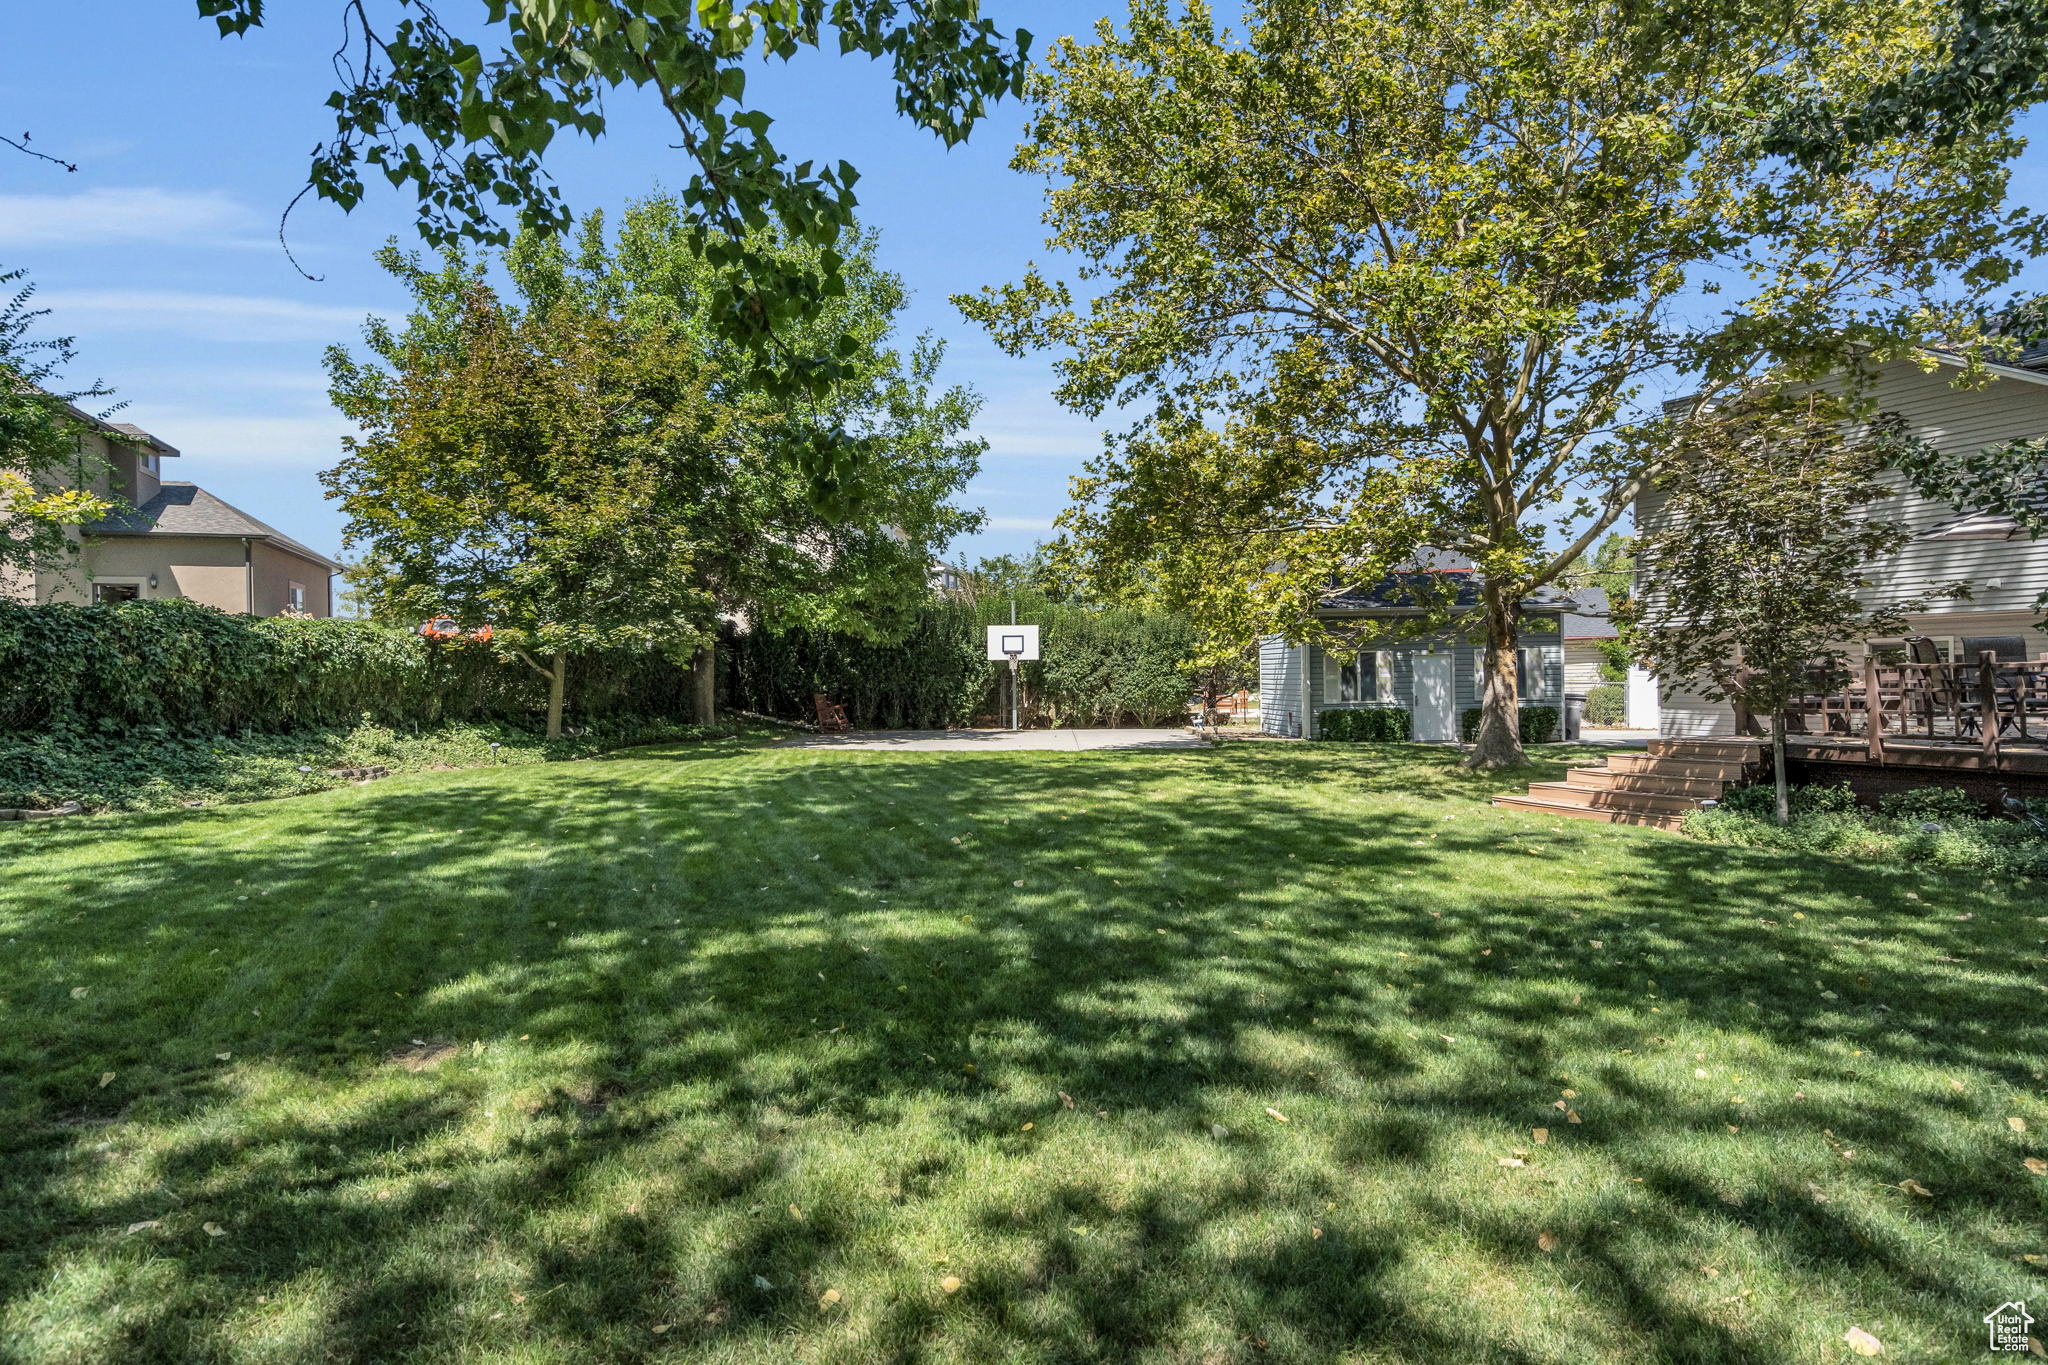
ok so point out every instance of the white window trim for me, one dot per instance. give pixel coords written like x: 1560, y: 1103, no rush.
x: 1382, y: 691
x: 140, y: 584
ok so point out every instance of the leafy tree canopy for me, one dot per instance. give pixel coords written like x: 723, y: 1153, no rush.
x: 46, y: 478
x: 462, y: 111
x: 1380, y: 278
x: 580, y: 464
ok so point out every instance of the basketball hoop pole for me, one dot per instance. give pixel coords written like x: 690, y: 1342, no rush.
x: 1013, y: 694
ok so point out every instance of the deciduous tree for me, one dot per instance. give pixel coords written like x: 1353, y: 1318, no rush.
x: 1379, y: 277
x: 46, y: 474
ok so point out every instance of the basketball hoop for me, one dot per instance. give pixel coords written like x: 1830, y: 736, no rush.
x: 1016, y: 644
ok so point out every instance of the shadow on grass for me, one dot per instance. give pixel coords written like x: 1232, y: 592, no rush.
x: 717, y: 961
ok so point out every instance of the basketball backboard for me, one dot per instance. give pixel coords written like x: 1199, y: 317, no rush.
x: 1013, y: 642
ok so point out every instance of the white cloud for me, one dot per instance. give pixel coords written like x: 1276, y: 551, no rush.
x: 96, y: 217
x: 202, y: 317
x: 275, y: 444
x: 1018, y: 524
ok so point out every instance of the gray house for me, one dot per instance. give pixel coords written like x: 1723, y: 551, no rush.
x: 1436, y: 677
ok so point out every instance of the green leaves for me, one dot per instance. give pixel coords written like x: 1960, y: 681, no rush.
x: 466, y: 132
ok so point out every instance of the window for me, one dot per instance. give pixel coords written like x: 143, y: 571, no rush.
x: 153, y: 463
x: 295, y: 597
x: 1351, y: 678
x: 2000, y: 647
x: 116, y: 592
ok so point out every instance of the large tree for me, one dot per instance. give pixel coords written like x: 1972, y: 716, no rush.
x: 650, y: 493
x: 1380, y: 278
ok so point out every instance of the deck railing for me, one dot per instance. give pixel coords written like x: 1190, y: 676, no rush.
x: 1984, y: 703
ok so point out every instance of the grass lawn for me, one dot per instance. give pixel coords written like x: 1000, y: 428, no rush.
x: 725, y: 1053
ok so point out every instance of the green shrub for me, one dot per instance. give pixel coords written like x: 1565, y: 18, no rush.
x: 1539, y: 724
x: 176, y: 665
x: 1930, y: 803
x: 1099, y: 667
x: 1761, y: 800
x: 1965, y: 843
x: 1369, y: 725
x: 162, y: 770
x: 1614, y: 658
x: 1607, y: 704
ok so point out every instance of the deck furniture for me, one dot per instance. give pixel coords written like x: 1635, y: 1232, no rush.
x: 831, y: 715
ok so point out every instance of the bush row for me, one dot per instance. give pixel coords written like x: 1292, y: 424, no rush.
x: 1943, y: 827
x: 1369, y: 725
x: 177, y: 666
x: 164, y: 771
x: 1539, y: 724
x: 1097, y: 668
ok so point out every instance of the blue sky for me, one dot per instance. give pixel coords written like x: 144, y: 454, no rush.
x: 161, y: 255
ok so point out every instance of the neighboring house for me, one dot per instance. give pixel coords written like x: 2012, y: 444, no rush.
x: 1584, y: 629
x: 1436, y: 677
x: 178, y: 541
x: 2007, y: 572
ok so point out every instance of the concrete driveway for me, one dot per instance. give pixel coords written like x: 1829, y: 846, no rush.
x: 997, y: 741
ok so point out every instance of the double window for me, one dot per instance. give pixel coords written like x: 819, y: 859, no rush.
x: 1361, y: 677
x: 1528, y: 671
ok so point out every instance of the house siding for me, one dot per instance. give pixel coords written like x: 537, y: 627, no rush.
x: 2007, y: 577
x: 1279, y: 687
x: 1546, y: 682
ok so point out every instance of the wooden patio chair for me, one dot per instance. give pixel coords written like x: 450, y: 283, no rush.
x: 831, y: 715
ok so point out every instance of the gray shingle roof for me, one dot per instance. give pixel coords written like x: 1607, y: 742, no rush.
x: 1593, y: 619
x: 186, y: 509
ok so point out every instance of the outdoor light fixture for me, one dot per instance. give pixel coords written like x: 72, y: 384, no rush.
x: 152, y: 580
x: 494, y: 751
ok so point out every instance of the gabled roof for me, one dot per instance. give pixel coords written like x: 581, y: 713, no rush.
x: 186, y: 509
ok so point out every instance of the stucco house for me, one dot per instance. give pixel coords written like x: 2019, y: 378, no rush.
x: 2007, y: 572
x: 1435, y: 677
x: 173, y: 539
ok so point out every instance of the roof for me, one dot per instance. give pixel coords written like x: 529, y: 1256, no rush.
x: 1593, y: 619
x: 186, y: 509
x: 1404, y: 593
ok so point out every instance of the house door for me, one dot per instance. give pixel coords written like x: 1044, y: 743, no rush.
x: 1436, y: 717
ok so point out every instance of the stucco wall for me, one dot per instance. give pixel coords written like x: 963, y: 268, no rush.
x: 277, y: 570
x: 208, y: 569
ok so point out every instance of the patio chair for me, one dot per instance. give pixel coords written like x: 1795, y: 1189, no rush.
x: 831, y: 715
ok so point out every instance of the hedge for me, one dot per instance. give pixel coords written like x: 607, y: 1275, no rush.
x: 1539, y: 724
x: 1607, y: 704
x: 1941, y: 828
x: 1098, y: 667
x: 1369, y: 725
x: 177, y: 666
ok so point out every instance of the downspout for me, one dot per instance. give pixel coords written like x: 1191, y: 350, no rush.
x: 249, y: 571
x: 1308, y: 720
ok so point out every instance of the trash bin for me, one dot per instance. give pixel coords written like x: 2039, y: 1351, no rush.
x: 1574, y: 715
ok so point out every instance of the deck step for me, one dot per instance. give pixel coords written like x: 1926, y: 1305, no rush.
x: 1665, y: 765
x: 1717, y: 750
x: 1599, y: 798
x: 1537, y: 806
x: 1607, y: 779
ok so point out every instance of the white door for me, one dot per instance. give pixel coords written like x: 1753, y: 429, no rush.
x: 1436, y: 716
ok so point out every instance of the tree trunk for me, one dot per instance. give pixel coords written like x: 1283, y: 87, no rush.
x: 1778, y: 768
x: 704, y: 683
x: 1499, y: 742
x: 557, y: 681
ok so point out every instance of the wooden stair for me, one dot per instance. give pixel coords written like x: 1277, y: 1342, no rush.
x: 1655, y: 788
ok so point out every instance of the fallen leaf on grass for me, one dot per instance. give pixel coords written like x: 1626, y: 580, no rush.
x: 763, y: 1282
x: 1569, y: 1093
x: 1572, y: 1116
x: 2036, y: 1165
x: 1066, y: 1099
x: 1699, y: 1073
x: 1861, y: 1342
x: 144, y: 1225
x: 1218, y: 1131
x: 78, y: 992
x: 951, y: 1284
x: 1545, y: 1242
x: 1915, y: 1187
x: 1541, y: 1135
x: 215, y: 1230
x: 1956, y: 1086
x: 1510, y: 1161
x: 222, y: 1056
x: 2036, y: 1349
x: 2041, y: 1261
x: 107, y: 1079
x: 796, y: 1213
x: 1029, y: 1126
x: 1276, y: 1115
x: 2016, y: 1123
x: 828, y: 1298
